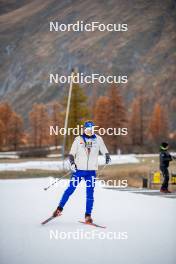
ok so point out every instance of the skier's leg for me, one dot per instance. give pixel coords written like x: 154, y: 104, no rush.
x: 90, y: 185
x: 165, y: 173
x: 74, y: 181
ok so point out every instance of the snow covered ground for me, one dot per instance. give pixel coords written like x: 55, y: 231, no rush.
x: 9, y: 155
x: 58, y: 165
x: 144, y: 226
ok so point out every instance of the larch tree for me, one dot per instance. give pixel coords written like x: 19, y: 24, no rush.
x: 2, y: 133
x: 39, y: 122
x: 101, y: 114
x: 138, y: 121
x: 110, y: 112
x: 158, y: 127
x: 17, y: 133
x: 5, y: 117
x: 117, y: 117
x: 55, y: 120
x: 11, y: 128
x: 134, y: 123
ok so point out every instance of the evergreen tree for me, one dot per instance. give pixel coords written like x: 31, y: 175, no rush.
x: 79, y: 110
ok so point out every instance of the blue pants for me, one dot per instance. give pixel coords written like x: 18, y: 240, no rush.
x: 89, y: 177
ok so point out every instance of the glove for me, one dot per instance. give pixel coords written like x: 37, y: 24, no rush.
x: 73, y: 167
x: 72, y: 162
x: 108, y: 159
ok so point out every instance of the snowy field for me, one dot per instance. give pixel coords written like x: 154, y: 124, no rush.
x: 58, y: 165
x: 144, y: 226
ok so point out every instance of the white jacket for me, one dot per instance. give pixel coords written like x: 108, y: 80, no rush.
x: 83, y: 159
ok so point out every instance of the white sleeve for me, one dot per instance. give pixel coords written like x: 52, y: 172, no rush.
x: 103, y: 148
x: 74, y: 148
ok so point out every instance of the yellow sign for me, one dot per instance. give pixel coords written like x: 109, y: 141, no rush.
x: 173, y: 179
x: 157, y: 177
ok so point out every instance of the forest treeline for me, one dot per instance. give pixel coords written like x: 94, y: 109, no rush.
x: 145, y: 131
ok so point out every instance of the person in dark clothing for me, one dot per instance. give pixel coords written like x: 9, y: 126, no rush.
x: 165, y: 158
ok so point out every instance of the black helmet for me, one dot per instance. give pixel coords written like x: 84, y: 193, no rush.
x: 164, y: 146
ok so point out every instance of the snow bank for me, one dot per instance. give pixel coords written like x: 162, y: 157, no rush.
x: 151, y: 155
x: 40, y: 165
x: 4, y: 156
x: 58, y: 165
x: 119, y: 159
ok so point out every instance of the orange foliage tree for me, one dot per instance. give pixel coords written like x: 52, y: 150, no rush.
x: 111, y: 113
x: 5, y: 118
x: 158, y: 127
x: 136, y: 123
x: 2, y: 133
x: 16, y: 131
x: 11, y: 127
x: 39, y: 122
x: 55, y: 120
x: 101, y: 113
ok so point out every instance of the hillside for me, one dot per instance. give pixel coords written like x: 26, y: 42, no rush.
x: 29, y: 52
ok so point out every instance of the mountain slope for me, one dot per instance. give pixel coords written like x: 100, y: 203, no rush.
x: 29, y: 52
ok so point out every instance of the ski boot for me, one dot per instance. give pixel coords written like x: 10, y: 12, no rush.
x: 57, y: 212
x: 88, y: 219
x: 165, y: 190
x: 168, y: 191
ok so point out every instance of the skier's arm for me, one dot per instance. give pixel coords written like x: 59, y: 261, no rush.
x: 104, y: 151
x: 108, y: 158
x: 166, y: 157
x: 71, y: 159
x: 169, y: 157
x: 72, y: 155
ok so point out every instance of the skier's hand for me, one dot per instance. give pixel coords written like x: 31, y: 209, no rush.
x: 108, y: 158
x: 73, y: 167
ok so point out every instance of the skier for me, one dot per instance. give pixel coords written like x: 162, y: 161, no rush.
x: 165, y: 158
x: 83, y: 158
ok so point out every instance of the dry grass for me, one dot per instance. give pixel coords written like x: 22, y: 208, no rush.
x: 29, y: 174
x: 133, y: 173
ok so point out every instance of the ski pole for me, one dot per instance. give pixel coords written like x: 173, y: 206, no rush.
x: 46, y: 188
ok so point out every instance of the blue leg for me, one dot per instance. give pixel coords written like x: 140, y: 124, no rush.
x: 74, y: 181
x: 90, y: 185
